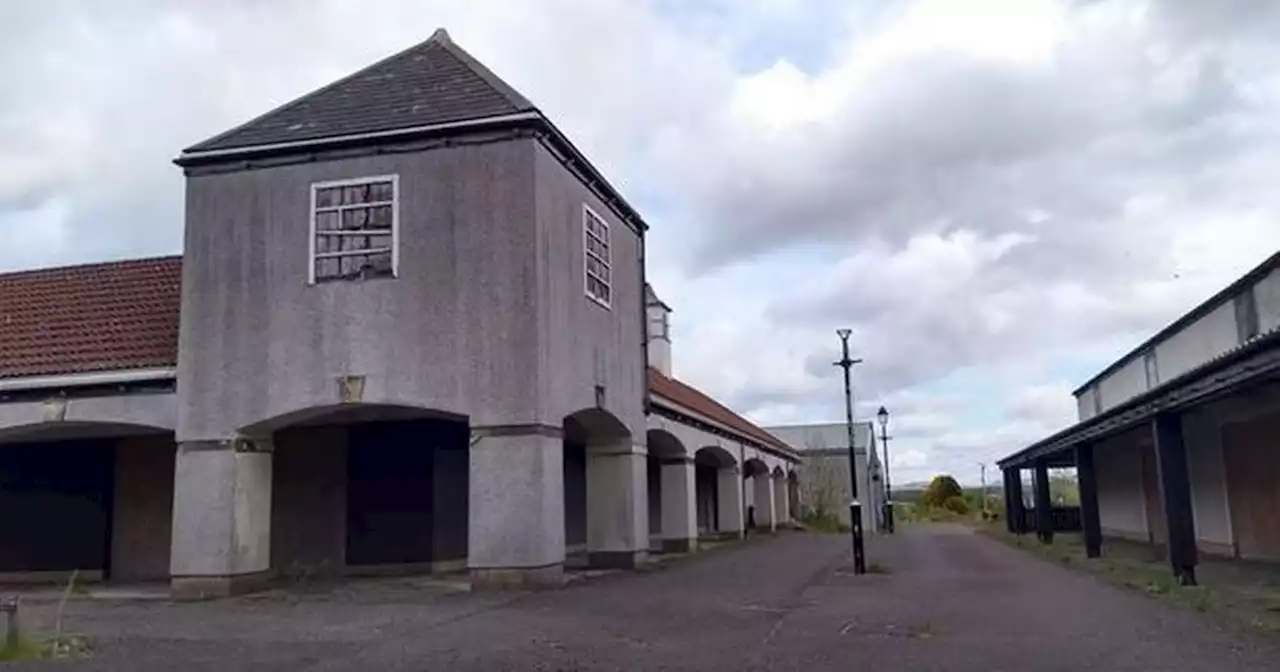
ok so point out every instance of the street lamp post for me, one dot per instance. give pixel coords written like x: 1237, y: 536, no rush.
x: 855, y: 507
x: 883, y: 416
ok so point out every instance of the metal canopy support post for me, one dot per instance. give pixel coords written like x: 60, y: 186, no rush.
x: 1008, y: 500
x: 1044, y: 520
x: 1019, y: 509
x: 1175, y: 490
x: 1087, y: 477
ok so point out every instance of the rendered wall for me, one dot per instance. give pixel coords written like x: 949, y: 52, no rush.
x: 1121, y: 502
x: 583, y: 345
x: 456, y: 331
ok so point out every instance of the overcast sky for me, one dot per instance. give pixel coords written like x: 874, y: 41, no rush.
x: 999, y: 197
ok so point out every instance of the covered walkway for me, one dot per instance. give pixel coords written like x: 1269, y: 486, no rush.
x: 1190, y: 466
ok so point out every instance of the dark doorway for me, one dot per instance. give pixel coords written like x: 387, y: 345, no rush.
x: 55, y: 506
x: 394, y: 500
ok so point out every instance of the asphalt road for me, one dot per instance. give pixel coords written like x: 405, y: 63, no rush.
x: 950, y: 601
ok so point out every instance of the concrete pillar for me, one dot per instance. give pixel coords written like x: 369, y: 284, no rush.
x: 766, y: 516
x: 449, y: 517
x: 729, y: 507
x: 679, y: 513
x: 781, y: 510
x: 221, y: 518
x: 1091, y: 523
x: 617, y: 506
x: 1175, y: 491
x: 1044, y: 505
x: 515, y: 535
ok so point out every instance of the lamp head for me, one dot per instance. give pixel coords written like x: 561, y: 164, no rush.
x: 843, y: 333
x: 883, y: 415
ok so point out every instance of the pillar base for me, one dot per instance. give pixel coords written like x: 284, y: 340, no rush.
x: 517, y: 578
x: 616, y: 559
x: 679, y: 545
x: 213, y: 587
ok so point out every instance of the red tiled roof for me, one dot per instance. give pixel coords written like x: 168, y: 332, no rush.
x: 693, y: 399
x: 98, y: 317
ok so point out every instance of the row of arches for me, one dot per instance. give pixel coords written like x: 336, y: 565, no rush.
x: 366, y: 487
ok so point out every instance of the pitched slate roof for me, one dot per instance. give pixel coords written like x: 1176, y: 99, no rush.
x: 99, y: 317
x: 431, y: 83
x: 681, y: 394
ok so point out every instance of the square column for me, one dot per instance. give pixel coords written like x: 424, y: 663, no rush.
x: 515, y: 531
x: 729, y: 505
x: 221, y: 518
x: 679, y: 515
x: 766, y: 516
x: 1044, y: 506
x: 1175, y: 491
x: 781, y: 506
x: 1090, y: 521
x: 617, y: 506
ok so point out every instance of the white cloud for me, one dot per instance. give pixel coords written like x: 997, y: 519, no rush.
x: 981, y: 186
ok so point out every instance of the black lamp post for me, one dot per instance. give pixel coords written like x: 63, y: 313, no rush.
x: 855, y: 507
x: 883, y: 416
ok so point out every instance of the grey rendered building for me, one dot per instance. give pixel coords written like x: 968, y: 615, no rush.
x: 824, y: 473
x: 407, y: 331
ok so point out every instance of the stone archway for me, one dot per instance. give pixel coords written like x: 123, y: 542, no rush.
x: 781, y: 499
x: 606, y: 492
x: 760, y: 501
x: 85, y: 496
x: 718, y: 488
x: 672, y: 494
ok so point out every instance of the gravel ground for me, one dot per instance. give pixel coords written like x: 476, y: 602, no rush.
x: 952, y: 600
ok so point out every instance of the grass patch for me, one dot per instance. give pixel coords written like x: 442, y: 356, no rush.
x: 26, y: 649
x: 824, y: 523
x: 1221, y: 595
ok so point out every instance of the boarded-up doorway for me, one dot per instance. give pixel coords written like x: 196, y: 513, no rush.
x: 1251, y: 451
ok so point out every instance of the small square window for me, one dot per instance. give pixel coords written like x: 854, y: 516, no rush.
x: 598, y: 266
x: 355, y: 229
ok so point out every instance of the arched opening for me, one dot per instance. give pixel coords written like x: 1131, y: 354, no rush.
x: 670, y: 471
x: 718, y: 493
x: 781, y: 502
x: 760, y: 513
x: 793, y: 494
x: 96, y: 497
x: 367, y: 489
x: 605, y: 492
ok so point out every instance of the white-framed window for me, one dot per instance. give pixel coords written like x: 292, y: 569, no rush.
x: 598, y: 270
x: 355, y: 229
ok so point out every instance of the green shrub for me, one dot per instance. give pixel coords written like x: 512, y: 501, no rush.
x: 941, y: 489
x: 956, y: 504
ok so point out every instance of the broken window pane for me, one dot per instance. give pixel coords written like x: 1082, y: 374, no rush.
x: 327, y: 197
x: 327, y: 221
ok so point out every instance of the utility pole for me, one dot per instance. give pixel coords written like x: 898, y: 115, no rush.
x: 855, y: 507
x: 982, y: 467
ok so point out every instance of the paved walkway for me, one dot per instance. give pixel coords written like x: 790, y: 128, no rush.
x: 952, y: 601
